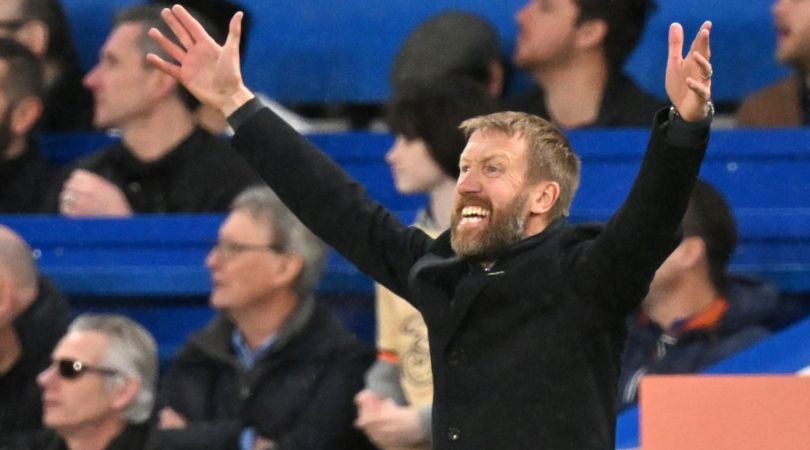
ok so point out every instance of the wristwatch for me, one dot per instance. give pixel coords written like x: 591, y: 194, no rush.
x: 674, y: 112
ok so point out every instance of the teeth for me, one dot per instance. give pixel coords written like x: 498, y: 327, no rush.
x: 474, y: 211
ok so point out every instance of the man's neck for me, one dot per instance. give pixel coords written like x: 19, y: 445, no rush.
x: 574, y: 89
x: 94, y: 437
x: 441, y: 203
x: 154, y: 135
x: 262, y: 320
x: 690, y: 296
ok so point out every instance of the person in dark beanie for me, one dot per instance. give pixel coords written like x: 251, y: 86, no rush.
x: 452, y: 44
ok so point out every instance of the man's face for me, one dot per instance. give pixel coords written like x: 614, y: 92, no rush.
x: 792, y: 21
x: 413, y: 168
x: 72, y: 405
x: 490, y: 210
x: 546, y: 32
x: 121, y: 82
x: 241, y: 264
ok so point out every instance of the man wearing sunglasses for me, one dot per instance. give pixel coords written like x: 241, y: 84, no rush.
x: 276, y: 369
x: 33, y: 316
x: 99, y: 390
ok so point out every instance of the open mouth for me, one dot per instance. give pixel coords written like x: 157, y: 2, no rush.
x: 473, y: 214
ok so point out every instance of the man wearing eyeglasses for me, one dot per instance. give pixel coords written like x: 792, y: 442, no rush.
x: 99, y: 390
x: 33, y: 317
x: 275, y: 370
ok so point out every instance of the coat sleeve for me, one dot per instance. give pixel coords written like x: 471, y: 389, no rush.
x: 619, y: 264
x: 328, y: 201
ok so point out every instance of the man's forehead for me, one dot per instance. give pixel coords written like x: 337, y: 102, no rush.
x: 86, y: 345
x: 494, y: 140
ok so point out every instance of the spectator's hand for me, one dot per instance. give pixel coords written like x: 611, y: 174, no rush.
x: 387, y: 424
x: 689, y: 80
x: 88, y: 194
x: 171, y: 419
x: 209, y: 71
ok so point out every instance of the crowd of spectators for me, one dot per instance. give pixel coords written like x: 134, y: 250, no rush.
x: 275, y: 369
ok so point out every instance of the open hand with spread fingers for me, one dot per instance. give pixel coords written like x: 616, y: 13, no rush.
x: 209, y: 71
x: 689, y: 79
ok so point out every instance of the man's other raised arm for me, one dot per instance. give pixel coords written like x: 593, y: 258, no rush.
x: 211, y: 72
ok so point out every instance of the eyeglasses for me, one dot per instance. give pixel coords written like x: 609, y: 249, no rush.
x: 228, y: 249
x: 70, y: 369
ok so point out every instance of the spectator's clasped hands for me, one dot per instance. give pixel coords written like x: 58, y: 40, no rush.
x: 689, y: 79
x: 209, y: 71
x: 88, y: 194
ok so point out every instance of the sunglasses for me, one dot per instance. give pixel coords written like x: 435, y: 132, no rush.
x: 70, y: 369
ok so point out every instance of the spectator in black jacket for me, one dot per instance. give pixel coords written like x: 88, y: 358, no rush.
x: 165, y: 161
x: 24, y: 173
x: 275, y: 369
x: 33, y: 316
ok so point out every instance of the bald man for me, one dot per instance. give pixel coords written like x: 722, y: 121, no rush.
x: 33, y: 316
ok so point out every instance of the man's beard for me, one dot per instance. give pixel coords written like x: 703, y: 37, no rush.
x: 506, y: 227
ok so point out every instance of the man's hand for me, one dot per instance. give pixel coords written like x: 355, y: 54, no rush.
x: 689, y: 80
x: 209, y: 71
x: 88, y: 194
x: 171, y: 419
x: 387, y: 424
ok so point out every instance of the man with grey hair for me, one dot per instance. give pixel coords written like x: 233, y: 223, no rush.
x: 165, y: 161
x: 99, y: 390
x: 33, y: 317
x: 275, y: 369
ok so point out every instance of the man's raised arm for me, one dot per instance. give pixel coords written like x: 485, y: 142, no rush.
x: 211, y: 72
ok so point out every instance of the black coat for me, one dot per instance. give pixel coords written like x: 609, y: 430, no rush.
x: 39, y: 329
x: 525, y: 355
x: 299, y: 394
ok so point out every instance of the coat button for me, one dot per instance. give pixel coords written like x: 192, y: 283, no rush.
x: 454, y: 357
x: 453, y: 433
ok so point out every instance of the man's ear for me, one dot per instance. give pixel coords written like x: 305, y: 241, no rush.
x: 6, y: 300
x: 591, y: 33
x: 543, y: 197
x: 125, y: 393
x: 25, y: 115
x: 289, y: 268
x: 34, y: 35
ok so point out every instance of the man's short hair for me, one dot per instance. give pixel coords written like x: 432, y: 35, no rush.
x: 550, y: 156
x: 288, y: 233
x: 132, y: 351
x: 24, y: 76
x: 148, y: 16
x: 433, y: 111
x: 625, y: 22
x: 709, y: 217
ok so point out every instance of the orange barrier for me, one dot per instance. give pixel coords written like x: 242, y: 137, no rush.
x: 725, y: 412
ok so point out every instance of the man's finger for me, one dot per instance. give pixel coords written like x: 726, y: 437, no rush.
x: 235, y: 31
x: 702, y: 89
x: 177, y: 28
x: 166, y: 67
x: 190, y: 24
x: 702, y: 40
x: 675, y: 43
x: 166, y: 44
